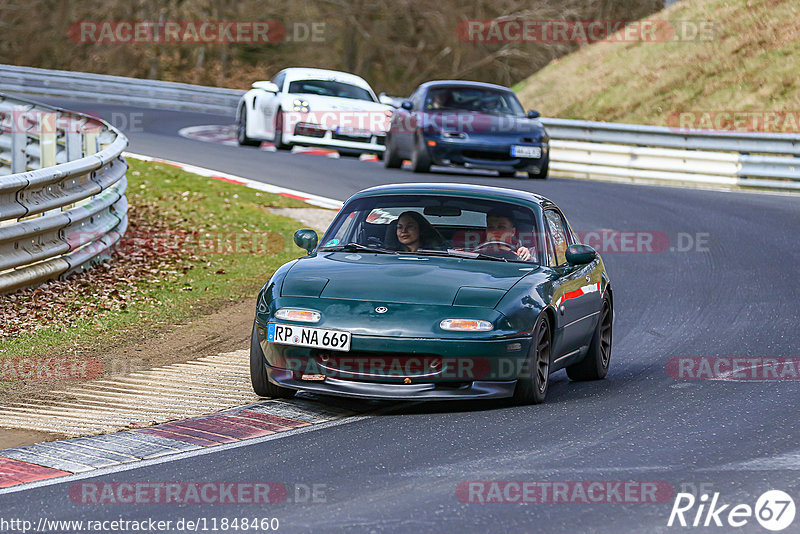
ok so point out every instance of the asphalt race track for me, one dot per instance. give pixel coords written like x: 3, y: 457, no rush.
x: 734, y: 295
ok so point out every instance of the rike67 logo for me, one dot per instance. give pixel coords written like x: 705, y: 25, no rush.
x: 774, y: 510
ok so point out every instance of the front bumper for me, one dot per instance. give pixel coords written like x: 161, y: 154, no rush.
x: 401, y: 368
x: 370, y: 390
x: 497, y: 157
x: 313, y: 135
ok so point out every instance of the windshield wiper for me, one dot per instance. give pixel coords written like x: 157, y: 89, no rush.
x: 460, y: 254
x: 353, y: 247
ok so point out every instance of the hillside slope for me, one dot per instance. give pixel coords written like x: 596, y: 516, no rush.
x: 751, y: 64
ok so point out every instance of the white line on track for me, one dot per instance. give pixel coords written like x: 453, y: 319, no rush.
x: 309, y: 198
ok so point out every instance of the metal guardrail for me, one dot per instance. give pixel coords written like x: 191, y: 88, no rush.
x: 62, y: 192
x: 662, y: 136
x: 582, y: 149
x: 588, y: 149
x: 118, y: 90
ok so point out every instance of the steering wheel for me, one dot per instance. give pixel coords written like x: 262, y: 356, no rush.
x: 503, y: 244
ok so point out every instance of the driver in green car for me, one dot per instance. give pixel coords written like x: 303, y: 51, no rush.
x: 500, y: 227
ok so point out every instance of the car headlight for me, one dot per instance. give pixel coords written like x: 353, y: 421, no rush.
x: 294, y: 314
x: 300, y: 105
x: 466, y: 325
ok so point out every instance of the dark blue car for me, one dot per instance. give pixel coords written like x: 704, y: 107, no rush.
x: 468, y: 124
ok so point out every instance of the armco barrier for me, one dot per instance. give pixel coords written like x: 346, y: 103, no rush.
x: 118, y: 90
x: 583, y: 149
x: 588, y: 149
x: 62, y: 192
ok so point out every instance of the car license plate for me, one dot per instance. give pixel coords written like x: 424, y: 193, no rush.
x: 304, y: 336
x: 342, y: 130
x: 520, y: 151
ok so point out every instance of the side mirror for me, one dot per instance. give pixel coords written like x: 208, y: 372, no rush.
x: 407, y: 105
x: 306, y: 238
x: 580, y: 254
x: 533, y: 114
x: 266, y: 86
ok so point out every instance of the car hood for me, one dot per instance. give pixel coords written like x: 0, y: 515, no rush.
x: 320, y: 103
x: 403, y: 278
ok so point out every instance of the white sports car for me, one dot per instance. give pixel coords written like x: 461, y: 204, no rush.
x: 314, y: 107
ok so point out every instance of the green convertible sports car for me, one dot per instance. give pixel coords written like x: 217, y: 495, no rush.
x: 434, y: 292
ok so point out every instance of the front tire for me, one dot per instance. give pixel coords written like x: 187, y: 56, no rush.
x: 595, y: 365
x: 278, y: 138
x: 258, y: 373
x: 390, y: 158
x: 420, y: 159
x: 241, y: 130
x: 534, y: 377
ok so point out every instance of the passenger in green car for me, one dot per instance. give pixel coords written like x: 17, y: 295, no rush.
x: 415, y: 232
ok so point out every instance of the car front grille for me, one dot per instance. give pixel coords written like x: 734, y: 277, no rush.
x: 487, y: 155
x: 353, y: 138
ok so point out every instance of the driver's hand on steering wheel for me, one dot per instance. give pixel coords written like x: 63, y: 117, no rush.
x: 524, y: 253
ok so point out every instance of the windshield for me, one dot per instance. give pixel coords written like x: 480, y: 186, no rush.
x: 473, y: 99
x: 330, y: 88
x: 440, y: 225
